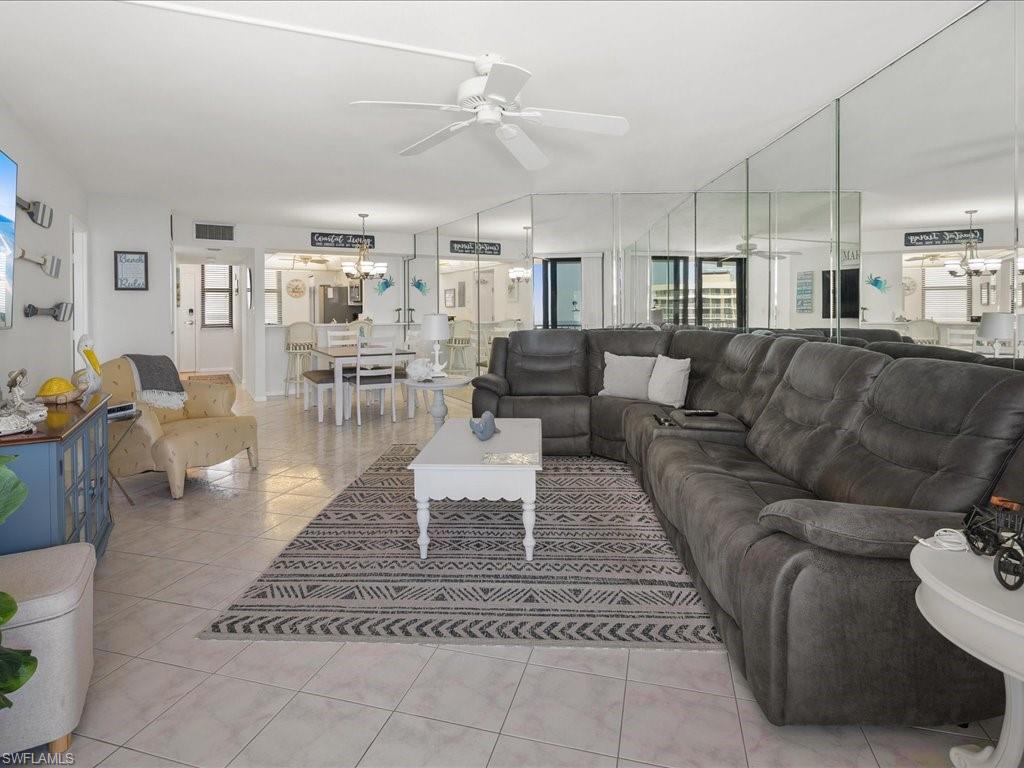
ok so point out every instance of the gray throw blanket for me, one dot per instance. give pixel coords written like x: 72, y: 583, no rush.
x: 157, y: 381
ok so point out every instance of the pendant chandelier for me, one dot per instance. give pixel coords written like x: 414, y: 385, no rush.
x: 970, y: 263
x: 522, y: 274
x: 364, y: 268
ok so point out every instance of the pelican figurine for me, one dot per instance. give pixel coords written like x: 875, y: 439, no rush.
x: 89, y: 380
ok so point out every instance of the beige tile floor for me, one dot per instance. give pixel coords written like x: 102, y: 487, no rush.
x: 160, y: 697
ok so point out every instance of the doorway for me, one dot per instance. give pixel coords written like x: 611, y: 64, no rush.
x: 79, y: 284
x: 187, y: 327
x: 562, y: 293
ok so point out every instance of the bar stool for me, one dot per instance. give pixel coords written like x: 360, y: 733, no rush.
x: 299, y: 346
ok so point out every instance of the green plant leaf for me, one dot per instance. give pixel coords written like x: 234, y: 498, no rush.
x: 16, y: 667
x: 8, y: 607
x: 13, y: 492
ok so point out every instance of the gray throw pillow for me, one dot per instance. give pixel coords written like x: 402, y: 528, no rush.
x: 626, y: 376
x: 669, y: 380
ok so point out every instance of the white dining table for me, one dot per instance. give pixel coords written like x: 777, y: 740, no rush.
x: 346, y: 355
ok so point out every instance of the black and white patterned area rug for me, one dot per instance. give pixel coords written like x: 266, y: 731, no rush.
x: 603, y: 572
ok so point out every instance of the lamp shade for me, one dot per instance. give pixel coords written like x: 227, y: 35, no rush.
x: 997, y: 325
x: 435, y: 327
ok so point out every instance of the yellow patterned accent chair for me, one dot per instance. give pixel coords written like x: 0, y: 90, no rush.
x: 205, y: 432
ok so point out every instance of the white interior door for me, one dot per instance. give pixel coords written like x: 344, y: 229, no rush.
x: 79, y: 280
x: 485, y: 280
x: 188, y: 319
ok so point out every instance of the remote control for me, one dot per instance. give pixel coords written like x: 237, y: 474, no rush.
x: 699, y: 412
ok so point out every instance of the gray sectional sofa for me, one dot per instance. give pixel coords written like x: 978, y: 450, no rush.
x: 795, y: 508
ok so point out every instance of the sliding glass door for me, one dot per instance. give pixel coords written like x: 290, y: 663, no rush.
x: 701, y: 292
x: 562, y: 293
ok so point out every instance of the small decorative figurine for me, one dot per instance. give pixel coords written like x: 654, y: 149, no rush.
x: 998, y: 531
x: 484, y: 428
x: 16, y: 404
x: 419, y: 369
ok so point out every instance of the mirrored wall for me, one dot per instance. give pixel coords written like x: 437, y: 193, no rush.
x: 890, y: 214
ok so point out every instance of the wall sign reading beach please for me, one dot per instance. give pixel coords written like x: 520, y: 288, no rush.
x: 131, y: 270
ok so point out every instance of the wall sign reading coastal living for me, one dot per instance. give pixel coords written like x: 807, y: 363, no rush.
x: 339, y: 240
x: 471, y: 246
x: 943, y: 237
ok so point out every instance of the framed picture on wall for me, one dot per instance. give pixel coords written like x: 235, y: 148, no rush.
x: 449, y: 298
x: 355, y: 294
x: 131, y: 270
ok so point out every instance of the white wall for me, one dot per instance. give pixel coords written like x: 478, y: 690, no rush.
x: 40, y: 344
x: 123, y: 322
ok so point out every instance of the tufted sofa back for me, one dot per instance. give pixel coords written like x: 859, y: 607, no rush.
x: 705, y: 350
x: 815, y: 410
x: 547, y: 362
x: 936, y: 434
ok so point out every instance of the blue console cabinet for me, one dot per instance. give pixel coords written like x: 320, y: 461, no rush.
x: 64, y: 465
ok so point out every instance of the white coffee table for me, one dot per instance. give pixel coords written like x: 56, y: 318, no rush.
x: 438, y: 408
x: 960, y: 597
x: 455, y: 465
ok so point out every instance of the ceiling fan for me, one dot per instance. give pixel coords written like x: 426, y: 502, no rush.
x: 748, y: 249
x: 487, y: 99
x: 491, y: 98
x: 306, y: 259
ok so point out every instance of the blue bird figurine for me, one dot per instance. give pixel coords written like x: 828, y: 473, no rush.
x: 484, y: 427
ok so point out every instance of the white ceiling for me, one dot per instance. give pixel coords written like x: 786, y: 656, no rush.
x: 242, y: 124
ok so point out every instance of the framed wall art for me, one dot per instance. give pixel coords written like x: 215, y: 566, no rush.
x: 131, y: 270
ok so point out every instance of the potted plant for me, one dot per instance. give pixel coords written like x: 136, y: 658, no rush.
x: 16, y: 666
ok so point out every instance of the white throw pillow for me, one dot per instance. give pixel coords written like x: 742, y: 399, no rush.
x: 669, y: 381
x: 626, y: 376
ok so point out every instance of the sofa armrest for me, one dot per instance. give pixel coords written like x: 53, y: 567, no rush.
x: 856, y: 529
x: 206, y: 399
x: 492, y: 382
x: 723, y: 428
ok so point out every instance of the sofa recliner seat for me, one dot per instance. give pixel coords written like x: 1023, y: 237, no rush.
x: 797, y: 539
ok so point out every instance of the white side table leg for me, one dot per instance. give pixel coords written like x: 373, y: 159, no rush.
x: 529, y: 518
x: 423, y: 520
x: 439, y: 409
x: 1008, y: 752
x: 410, y: 401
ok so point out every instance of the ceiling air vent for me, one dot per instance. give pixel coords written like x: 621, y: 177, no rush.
x: 214, y: 231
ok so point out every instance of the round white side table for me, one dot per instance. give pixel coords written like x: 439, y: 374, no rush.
x: 438, y: 408
x: 960, y: 597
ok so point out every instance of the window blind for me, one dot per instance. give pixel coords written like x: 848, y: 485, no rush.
x: 272, y: 297
x: 216, y: 296
x: 946, y: 297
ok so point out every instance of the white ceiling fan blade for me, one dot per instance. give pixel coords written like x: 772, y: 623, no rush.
x: 610, y: 125
x: 521, y: 146
x: 436, y: 138
x: 504, y: 82
x: 408, y: 105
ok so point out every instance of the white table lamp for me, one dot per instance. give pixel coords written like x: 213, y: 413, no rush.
x: 995, y: 327
x: 435, y: 328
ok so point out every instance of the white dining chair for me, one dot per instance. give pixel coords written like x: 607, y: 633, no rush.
x: 375, y: 371
x: 458, y: 343
x: 299, y: 346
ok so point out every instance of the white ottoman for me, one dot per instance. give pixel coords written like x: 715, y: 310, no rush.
x: 53, y: 588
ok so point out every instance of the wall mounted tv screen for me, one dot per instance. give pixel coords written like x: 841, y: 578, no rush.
x: 8, y: 206
x: 849, y: 294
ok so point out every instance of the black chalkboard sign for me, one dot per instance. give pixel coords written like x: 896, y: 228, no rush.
x: 942, y: 237
x: 471, y: 246
x: 339, y: 240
